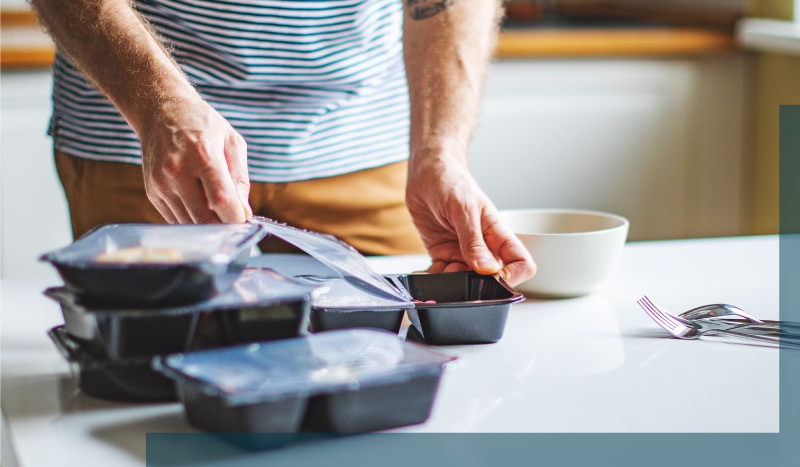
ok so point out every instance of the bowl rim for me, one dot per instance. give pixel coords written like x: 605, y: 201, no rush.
x: 624, y: 223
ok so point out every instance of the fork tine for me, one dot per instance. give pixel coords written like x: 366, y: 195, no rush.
x: 663, y: 319
x: 645, y: 306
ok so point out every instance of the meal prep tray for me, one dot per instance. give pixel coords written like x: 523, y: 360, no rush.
x: 260, y: 306
x: 155, y: 264
x: 354, y: 295
x: 342, y: 305
x: 457, y: 307
x: 127, y: 380
x: 444, y: 308
x: 343, y: 381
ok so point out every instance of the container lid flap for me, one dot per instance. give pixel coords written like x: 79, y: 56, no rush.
x: 337, y: 255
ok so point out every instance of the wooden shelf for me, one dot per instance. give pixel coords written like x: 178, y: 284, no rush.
x: 26, y: 45
x: 614, y: 42
x: 23, y: 42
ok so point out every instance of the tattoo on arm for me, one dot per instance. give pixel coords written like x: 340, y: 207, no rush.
x: 423, y: 9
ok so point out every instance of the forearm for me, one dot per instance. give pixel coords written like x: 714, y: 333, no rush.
x: 115, y: 48
x: 447, y: 46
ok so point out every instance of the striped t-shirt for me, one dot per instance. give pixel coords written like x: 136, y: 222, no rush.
x: 316, y: 87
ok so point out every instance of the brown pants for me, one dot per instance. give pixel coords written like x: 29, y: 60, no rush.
x: 365, y: 209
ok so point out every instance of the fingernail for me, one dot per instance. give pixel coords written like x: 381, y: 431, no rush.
x: 487, y: 262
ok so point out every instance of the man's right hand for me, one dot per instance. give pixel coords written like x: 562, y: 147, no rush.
x: 195, y: 165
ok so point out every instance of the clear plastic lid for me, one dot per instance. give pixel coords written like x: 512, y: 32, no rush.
x: 340, y: 294
x: 159, y: 243
x: 254, y: 287
x: 337, y: 255
x: 326, y: 362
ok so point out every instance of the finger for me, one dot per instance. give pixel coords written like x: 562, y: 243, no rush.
x: 236, y: 158
x: 221, y: 193
x: 194, y: 203
x: 447, y: 266
x: 164, y: 194
x: 473, y: 247
x: 518, y: 265
x: 163, y: 209
x: 457, y: 267
x: 176, y: 206
x: 436, y: 266
x: 518, y: 271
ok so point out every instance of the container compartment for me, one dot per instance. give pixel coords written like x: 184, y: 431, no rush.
x: 130, y: 380
x: 345, y: 381
x: 457, y: 307
x: 368, y: 410
x: 341, y: 304
x: 260, y: 306
x: 211, y: 413
x: 330, y: 319
x: 155, y: 264
x: 258, y: 324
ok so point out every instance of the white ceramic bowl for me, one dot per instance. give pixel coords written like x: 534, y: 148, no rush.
x: 575, y: 250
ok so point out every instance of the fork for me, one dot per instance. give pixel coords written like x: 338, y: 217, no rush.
x: 686, y: 329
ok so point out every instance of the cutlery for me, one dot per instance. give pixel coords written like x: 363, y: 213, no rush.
x: 723, y: 313
x: 694, y: 329
x: 717, y: 310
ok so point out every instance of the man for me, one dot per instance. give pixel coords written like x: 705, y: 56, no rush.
x: 299, y: 111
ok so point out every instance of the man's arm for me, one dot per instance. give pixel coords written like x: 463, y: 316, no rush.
x: 447, y: 47
x: 194, y: 162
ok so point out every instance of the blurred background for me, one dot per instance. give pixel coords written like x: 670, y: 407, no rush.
x: 664, y: 111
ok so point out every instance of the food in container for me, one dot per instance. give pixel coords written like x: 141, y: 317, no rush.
x: 457, y: 307
x: 344, y: 381
x: 261, y: 305
x: 124, y: 380
x: 155, y: 264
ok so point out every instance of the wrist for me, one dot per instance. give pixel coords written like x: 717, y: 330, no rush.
x: 157, y: 105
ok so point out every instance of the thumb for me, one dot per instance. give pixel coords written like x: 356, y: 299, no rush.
x: 236, y: 158
x: 473, y: 246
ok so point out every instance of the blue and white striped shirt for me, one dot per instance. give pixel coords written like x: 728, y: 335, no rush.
x: 317, y: 88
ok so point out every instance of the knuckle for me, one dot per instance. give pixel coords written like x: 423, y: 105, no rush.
x: 207, y: 218
x: 170, y: 168
x: 239, y: 142
x: 243, y: 181
x: 219, y: 198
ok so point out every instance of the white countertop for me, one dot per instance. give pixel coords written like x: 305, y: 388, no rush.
x: 595, y: 364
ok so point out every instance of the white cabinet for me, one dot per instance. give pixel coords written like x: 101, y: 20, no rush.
x: 34, y: 215
x: 656, y: 140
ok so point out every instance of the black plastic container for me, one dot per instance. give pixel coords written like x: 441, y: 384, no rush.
x: 444, y: 308
x: 155, y: 264
x: 345, y: 381
x: 260, y: 306
x: 456, y: 308
x: 325, y: 319
x: 343, y: 305
x: 128, y: 380
x: 368, y: 409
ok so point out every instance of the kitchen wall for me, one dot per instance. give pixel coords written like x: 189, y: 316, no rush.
x: 775, y: 78
x: 34, y: 214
